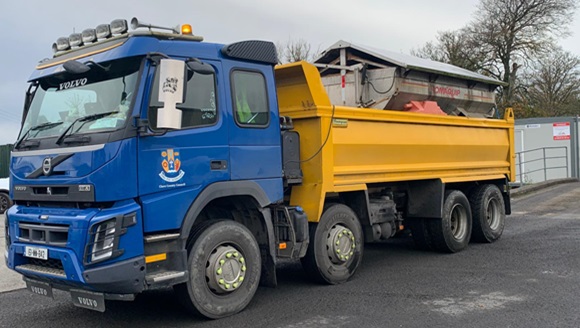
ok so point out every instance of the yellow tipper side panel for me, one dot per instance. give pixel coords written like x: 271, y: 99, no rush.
x: 399, y: 146
x: 367, y: 146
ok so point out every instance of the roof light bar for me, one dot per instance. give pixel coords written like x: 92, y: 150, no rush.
x: 119, y: 26
x: 103, y: 31
x: 89, y: 35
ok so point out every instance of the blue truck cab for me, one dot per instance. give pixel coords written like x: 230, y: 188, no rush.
x: 150, y: 159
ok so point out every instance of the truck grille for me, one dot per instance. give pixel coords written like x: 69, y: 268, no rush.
x: 48, y: 264
x: 46, y: 234
x: 51, y: 267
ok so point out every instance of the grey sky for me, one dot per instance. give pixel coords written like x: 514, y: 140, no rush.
x: 30, y: 29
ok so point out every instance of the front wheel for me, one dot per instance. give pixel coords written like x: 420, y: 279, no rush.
x: 224, y: 270
x: 452, y: 232
x: 5, y: 202
x: 336, y: 246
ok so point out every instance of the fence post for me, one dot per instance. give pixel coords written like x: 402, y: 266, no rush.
x: 520, y: 165
x: 566, y: 150
x: 545, y: 169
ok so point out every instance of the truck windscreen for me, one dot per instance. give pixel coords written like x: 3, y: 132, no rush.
x: 63, y: 98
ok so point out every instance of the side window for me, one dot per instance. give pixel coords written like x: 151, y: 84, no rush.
x: 199, y: 108
x: 250, y: 98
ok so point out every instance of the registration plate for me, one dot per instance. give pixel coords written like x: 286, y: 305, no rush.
x: 39, y: 288
x: 88, y: 300
x: 36, y: 252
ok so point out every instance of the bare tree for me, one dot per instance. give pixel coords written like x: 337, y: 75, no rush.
x: 553, y: 84
x: 505, y: 36
x: 456, y: 48
x: 296, y: 50
x: 515, y: 31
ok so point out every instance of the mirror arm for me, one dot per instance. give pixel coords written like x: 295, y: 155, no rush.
x: 155, y: 57
x: 143, y: 129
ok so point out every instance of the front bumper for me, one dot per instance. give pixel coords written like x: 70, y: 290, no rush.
x: 66, y: 266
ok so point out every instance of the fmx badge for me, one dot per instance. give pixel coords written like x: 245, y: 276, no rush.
x: 171, y: 165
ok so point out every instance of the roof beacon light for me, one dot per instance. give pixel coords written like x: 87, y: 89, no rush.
x: 61, y: 44
x: 119, y: 26
x: 89, y: 35
x: 186, y: 29
x: 75, y: 40
x: 103, y: 31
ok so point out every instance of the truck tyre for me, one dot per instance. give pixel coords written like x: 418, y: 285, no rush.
x: 224, y: 270
x: 452, y: 232
x: 5, y: 202
x: 336, y: 246
x: 488, y: 210
x: 421, y: 234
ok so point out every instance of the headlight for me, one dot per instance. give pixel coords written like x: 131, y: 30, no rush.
x: 104, y: 241
x: 104, y: 238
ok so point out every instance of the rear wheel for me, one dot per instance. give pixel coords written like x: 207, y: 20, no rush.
x: 452, y: 232
x: 336, y: 246
x: 224, y: 270
x: 488, y: 210
x: 5, y: 202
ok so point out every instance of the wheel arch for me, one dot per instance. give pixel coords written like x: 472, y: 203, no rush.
x: 358, y: 202
x: 244, y: 202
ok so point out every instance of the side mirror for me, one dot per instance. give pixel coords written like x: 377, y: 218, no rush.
x: 199, y: 67
x: 172, y: 84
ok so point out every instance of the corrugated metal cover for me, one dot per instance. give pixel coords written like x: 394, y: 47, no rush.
x: 406, y: 61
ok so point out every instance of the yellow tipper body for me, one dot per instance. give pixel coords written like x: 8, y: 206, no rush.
x: 349, y: 149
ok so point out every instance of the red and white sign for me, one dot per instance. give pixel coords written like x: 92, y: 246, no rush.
x: 561, y: 131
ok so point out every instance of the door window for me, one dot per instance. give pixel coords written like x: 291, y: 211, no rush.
x: 250, y: 98
x: 199, y: 108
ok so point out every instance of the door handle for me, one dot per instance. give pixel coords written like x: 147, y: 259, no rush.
x: 218, y: 165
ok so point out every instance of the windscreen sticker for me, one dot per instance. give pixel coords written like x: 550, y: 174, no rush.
x: 172, y: 171
x: 72, y: 84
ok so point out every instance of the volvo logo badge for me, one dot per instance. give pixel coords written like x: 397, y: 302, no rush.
x: 47, y: 166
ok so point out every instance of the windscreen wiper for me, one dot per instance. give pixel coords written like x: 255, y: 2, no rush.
x: 87, y: 118
x: 39, y: 127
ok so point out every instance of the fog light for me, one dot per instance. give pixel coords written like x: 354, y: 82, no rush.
x: 119, y: 26
x: 75, y: 40
x: 89, y: 35
x: 103, y: 31
x: 61, y: 44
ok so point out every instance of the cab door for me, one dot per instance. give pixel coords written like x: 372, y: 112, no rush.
x: 176, y: 165
x: 255, y: 152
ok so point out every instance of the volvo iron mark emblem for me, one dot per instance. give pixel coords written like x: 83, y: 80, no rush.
x: 47, y: 166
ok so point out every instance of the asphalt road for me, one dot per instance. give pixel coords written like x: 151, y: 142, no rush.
x: 529, y: 278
